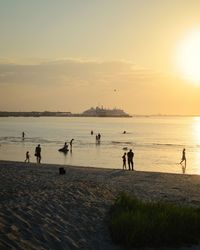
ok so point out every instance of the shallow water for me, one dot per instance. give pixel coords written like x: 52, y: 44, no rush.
x: 156, y: 141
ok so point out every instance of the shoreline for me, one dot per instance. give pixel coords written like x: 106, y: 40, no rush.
x: 57, y: 165
x: 41, y: 209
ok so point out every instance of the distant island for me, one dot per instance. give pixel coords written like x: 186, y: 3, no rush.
x: 92, y: 112
x: 102, y: 112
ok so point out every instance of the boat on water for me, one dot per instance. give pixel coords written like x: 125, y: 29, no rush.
x: 103, y: 112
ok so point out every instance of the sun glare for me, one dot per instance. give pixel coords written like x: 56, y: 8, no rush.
x: 188, y: 56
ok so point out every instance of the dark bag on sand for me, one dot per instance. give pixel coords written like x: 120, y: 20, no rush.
x: 62, y: 171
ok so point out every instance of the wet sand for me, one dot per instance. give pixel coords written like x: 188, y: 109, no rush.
x: 41, y: 209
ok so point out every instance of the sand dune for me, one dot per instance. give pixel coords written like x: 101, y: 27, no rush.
x: 41, y: 209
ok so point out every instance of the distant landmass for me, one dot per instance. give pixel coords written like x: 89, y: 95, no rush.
x: 34, y: 114
x: 92, y: 112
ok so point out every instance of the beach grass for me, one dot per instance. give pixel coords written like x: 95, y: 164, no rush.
x: 135, y: 223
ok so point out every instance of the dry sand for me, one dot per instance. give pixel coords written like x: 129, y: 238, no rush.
x: 41, y: 209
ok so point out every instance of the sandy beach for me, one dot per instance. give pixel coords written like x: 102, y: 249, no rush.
x: 41, y: 209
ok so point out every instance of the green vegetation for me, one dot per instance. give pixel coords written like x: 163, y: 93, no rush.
x: 134, y: 223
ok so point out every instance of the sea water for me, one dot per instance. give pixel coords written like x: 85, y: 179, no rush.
x: 157, y: 142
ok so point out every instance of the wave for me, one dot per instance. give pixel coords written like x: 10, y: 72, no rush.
x: 12, y: 139
x: 168, y: 144
x: 86, y: 142
x: 122, y: 142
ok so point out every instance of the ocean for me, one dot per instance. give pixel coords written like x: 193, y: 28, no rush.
x: 157, y: 142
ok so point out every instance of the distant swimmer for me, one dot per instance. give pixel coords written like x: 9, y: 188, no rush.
x: 124, y: 161
x: 38, y: 153
x: 183, y: 159
x: 130, y: 156
x: 124, y: 132
x: 91, y: 132
x: 27, y: 157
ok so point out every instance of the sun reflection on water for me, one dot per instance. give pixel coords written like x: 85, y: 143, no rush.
x: 196, y: 142
x: 196, y: 130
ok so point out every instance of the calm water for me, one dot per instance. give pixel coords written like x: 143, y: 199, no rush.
x: 156, y: 141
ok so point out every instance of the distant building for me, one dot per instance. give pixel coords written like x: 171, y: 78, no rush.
x: 102, y: 112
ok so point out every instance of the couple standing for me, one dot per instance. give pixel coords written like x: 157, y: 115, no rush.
x: 130, y: 156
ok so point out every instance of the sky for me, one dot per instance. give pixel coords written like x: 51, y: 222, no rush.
x: 70, y: 55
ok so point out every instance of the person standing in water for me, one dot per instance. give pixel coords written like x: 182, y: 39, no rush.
x: 23, y: 135
x: 124, y: 161
x: 38, y: 153
x: 183, y: 159
x: 71, y: 144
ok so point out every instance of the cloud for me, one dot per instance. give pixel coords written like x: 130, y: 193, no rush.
x: 74, y: 72
x: 76, y: 84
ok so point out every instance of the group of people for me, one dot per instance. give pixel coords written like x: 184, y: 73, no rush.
x: 98, y: 138
x: 37, y: 154
x: 65, y: 149
x: 38, y: 151
x: 129, y: 157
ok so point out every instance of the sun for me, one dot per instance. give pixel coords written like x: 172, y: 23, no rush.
x: 188, y: 56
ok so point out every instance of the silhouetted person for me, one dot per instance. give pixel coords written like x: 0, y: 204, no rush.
x: 27, y: 157
x: 97, y: 139
x: 99, y: 136
x: 65, y: 147
x: 91, y: 132
x: 124, y: 161
x: 183, y: 159
x: 23, y: 135
x: 130, y: 156
x: 38, y: 153
x: 71, y: 144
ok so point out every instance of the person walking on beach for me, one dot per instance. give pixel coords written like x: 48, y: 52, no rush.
x: 130, y: 156
x: 183, y: 159
x: 124, y: 161
x: 23, y: 135
x: 38, y: 153
x: 27, y: 157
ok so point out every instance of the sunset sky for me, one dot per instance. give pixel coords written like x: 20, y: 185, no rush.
x: 68, y: 55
